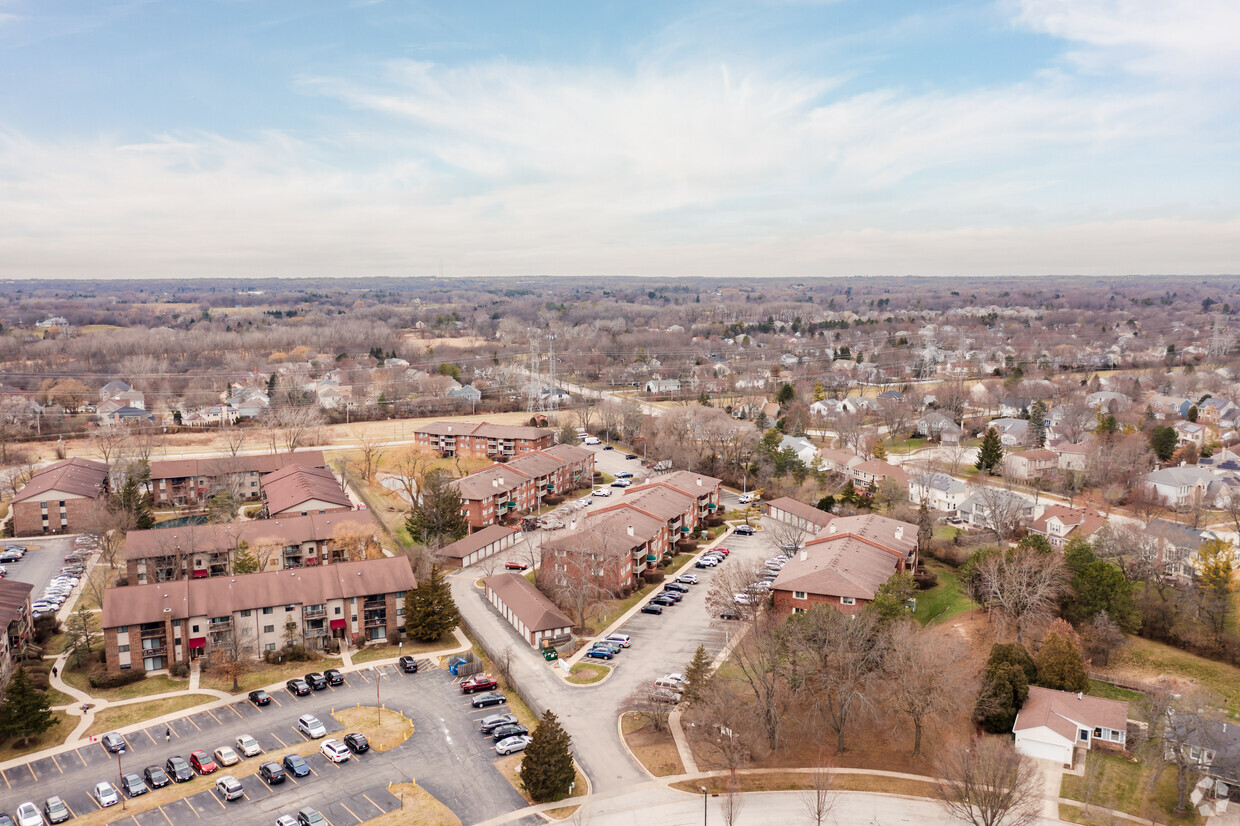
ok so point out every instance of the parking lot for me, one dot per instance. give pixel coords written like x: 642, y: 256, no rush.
x: 446, y: 755
x: 42, y: 561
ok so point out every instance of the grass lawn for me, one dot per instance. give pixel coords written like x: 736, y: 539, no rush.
x: 616, y: 608
x: 268, y: 674
x: 944, y: 532
x: 383, y: 652
x: 54, y: 736
x: 417, y: 808
x: 509, y: 767
x: 1125, y: 787
x: 385, y: 730
x: 157, y: 684
x: 110, y: 719
x: 58, y: 698
x: 656, y: 750
x: 586, y: 673
x: 945, y: 599
x: 784, y: 781
x: 1145, y: 660
x: 907, y: 443
x: 1097, y: 688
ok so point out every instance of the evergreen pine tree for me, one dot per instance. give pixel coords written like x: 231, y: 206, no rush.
x: 244, y: 562
x: 990, y: 454
x: 696, y: 675
x: 436, y: 519
x: 925, y: 529
x: 430, y: 611
x: 1060, y: 663
x: 1037, y: 423
x: 880, y: 450
x: 1004, y: 690
x: 547, y: 769
x: 25, y: 712
x: 130, y: 500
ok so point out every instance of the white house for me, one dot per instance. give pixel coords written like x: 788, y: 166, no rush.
x: 663, y: 386
x: 1052, y: 723
x: 940, y: 491
x: 1184, y: 485
x: 801, y: 446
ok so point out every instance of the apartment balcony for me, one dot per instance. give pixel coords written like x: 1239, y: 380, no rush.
x: 220, y: 627
x: 313, y: 612
x: 154, y: 652
x: 375, y: 621
x: 316, y: 632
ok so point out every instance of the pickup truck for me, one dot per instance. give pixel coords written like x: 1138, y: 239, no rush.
x: 478, y: 682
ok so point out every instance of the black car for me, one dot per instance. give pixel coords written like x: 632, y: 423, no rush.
x: 113, y: 742
x: 357, y: 743
x: 491, y: 698
x: 260, y: 698
x: 334, y: 677
x: 178, y: 769
x: 743, y: 530
x: 133, y: 785
x: 409, y: 665
x: 630, y: 455
x: 651, y: 608
x: 608, y: 447
x: 155, y: 777
x: 296, y: 765
x: 663, y: 601
x: 310, y: 817
x: 297, y: 687
x: 271, y: 772
x: 489, y: 724
x: 676, y: 586
x: 510, y: 730
x: 674, y: 596
x: 316, y: 681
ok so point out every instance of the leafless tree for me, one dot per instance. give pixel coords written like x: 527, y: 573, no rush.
x: 1076, y: 418
x: 577, y: 578
x: 585, y: 411
x: 1146, y: 503
x: 231, y: 657
x: 234, y: 439
x: 649, y: 706
x: 353, y: 542
x: 1021, y: 586
x: 290, y: 426
x: 1004, y: 511
x: 1186, y: 737
x: 840, y: 656
x: 110, y: 443
x: 952, y: 397
x: 731, y: 803
x: 727, y: 720
x: 986, y: 782
x: 819, y: 800
x: 851, y: 431
x: 371, y: 448
x: 896, y: 415
x: 407, y: 467
x: 786, y: 536
x: 145, y: 441
x: 925, y: 678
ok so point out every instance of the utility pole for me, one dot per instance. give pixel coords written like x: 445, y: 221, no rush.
x: 551, y: 371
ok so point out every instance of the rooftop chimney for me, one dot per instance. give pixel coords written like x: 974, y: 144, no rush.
x: 831, y: 527
x: 899, y: 531
x: 699, y: 481
x: 630, y: 530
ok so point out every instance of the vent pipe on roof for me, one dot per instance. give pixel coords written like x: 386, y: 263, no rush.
x: 630, y: 530
x: 831, y: 527
x: 699, y: 481
x: 899, y: 531
x: 804, y: 554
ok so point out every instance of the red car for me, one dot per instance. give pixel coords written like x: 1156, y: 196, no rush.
x: 478, y: 682
x: 202, y: 762
x: 723, y: 551
x: 514, y: 565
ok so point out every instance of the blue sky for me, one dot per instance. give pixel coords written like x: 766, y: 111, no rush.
x: 776, y: 138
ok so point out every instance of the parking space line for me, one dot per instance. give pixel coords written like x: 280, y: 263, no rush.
x: 274, y: 700
x: 6, y: 779
x: 283, y: 744
x: 80, y: 757
x: 57, y: 762
x: 234, y: 711
x: 70, y: 808
x: 195, y: 725
x: 147, y: 732
x: 213, y: 717
x: 371, y: 802
x: 165, y: 814
x: 92, y: 800
x: 363, y: 676
x: 350, y: 811
x: 32, y: 774
x: 191, y: 808
x: 216, y: 798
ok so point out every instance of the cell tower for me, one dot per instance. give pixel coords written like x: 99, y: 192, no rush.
x: 551, y: 394
x: 532, y: 400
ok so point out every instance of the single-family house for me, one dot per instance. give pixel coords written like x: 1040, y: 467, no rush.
x: 804, y: 449
x: 663, y: 386
x: 940, y: 427
x: 1190, y: 433
x: 1028, y: 465
x: 1061, y: 524
x: 1051, y: 724
x: 1012, y: 432
x: 1184, y: 486
x: 940, y: 491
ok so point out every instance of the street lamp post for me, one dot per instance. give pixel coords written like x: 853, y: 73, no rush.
x: 703, y: 805
x: 120, y: 778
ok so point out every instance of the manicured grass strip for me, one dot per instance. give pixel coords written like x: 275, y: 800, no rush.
x: 586, y: 673
x: 385, y: 730
x: 110, y: 719
x: 797, y: 781
x: 54, y: 736
x: 156, y: 684
x: 946, y: 599
x: 418, y: 808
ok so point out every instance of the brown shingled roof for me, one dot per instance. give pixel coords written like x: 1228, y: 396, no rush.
x: 291, y: 530
x: 13, y: 595
x: 800, y: 510
x: 1061, y: 711
x: 80, y: 477
x: 663, y: 501
x: 535, y: 464
x: 529, y: 604
x: 478, y: 485
x: 845, y: 567
x: 221, y: 465
x: 695, y: 484
x: 222, y: 595
x: 476, y: 541
x: 287, y: 488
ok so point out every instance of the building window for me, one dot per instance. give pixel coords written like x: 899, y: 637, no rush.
x: 799, y: 595
x: 288, y: 609
x: 848, y: 601
x: 271, y: 646
x: 267, y: 611
x: 122, y: 629
x: 245, y: 612
x: 269, y: 629
x: 122, y: 649
x: 799, y: 610
x: 195, y: 628
x: 337, y: 610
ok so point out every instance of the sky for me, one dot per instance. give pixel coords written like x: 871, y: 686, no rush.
x: 770, y: 138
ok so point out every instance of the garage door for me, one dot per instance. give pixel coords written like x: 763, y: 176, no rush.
x: 1045, y: 751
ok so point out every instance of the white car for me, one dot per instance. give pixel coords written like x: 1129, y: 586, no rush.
x: 591, y: 440
x: 742, y: 599
x: 512, y: 744
x: 335, y: 751
x: 248, y: 746
x: 28, y: 815
x: 601, y: 492
x: 688, y: 579
x: 106, y: 794
x: 746, y: 498
x: 225, y: 757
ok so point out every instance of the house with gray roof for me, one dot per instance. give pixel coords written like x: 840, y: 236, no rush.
x: 940, y: 491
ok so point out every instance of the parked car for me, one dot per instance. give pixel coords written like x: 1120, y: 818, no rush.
x: 229, y: 787
x: 600, y: 654
x: 297, y: 687
x: 28, y: 815
x: 514, y: 565
x: 721, y: 550
x: 296, y: 765
x: 622, y: 640
x: 687, y: 579
x: 310, y: 726
x: 678, y: 587
x: 492, y: 698
x: 248, y: 746
x: 509, y: 730
x: 335, y: 751
x: 334, y: 677
x: 271, y: 772
x: 202, y: 762
x: 591, y: 440
x: 601, y: 492
x: 357, y: 743
x: 260, y: 697
x: 316, y: 681
x: 674, y: 596
x: 742, y: 599
x: 630, y: 456
x: 746, y: 498
x: 478, y: 682
x: 105, y: 794
x: 744, y: 530
x: 624, y: 474
x: 56, y: 810
x: 286, y: 820
x: 710, y: 562
x: 651, y: 608
x: 310, y: 817
x: 133, y: 785
x: 113, y: 742
x: 622, y: 483
x: 613, y: 647
x: 225, y: 757
x: 512, y: 744
x: 489, y: 724
x: 408, y: 665
x: 156, y: 777
x: 608, y: 447
x: 178, y: 769
x: 664, y: 695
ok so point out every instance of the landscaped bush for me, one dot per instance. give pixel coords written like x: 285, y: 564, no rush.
x: 925, y: 579
x: 179, y: 670
x: 102, y: 678
x: 46, y: 627
x: 41, y: 681
x: 393, y: 636
x: 653, y: 575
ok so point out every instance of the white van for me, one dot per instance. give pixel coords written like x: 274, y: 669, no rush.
x: 591, y: 440
x: 623, y: 640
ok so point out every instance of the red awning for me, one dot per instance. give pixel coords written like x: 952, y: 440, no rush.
x: 199, y: 573
x: 197, y: 642
x: 337, y: 624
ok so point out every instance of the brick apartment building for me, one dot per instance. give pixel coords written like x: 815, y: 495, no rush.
x: 498, y: 492
x: 60, y: 498
x: 483, y: 440
x: 704, y: 489
x: 199, y: 551
x: 608, y: 548
x: 180, y: 482
x: 845, y: 564
x: 297, y: 490
x: 153, y: 626
x: 16, y: 622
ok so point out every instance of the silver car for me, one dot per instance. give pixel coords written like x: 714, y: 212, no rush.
x: 105, y: 794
